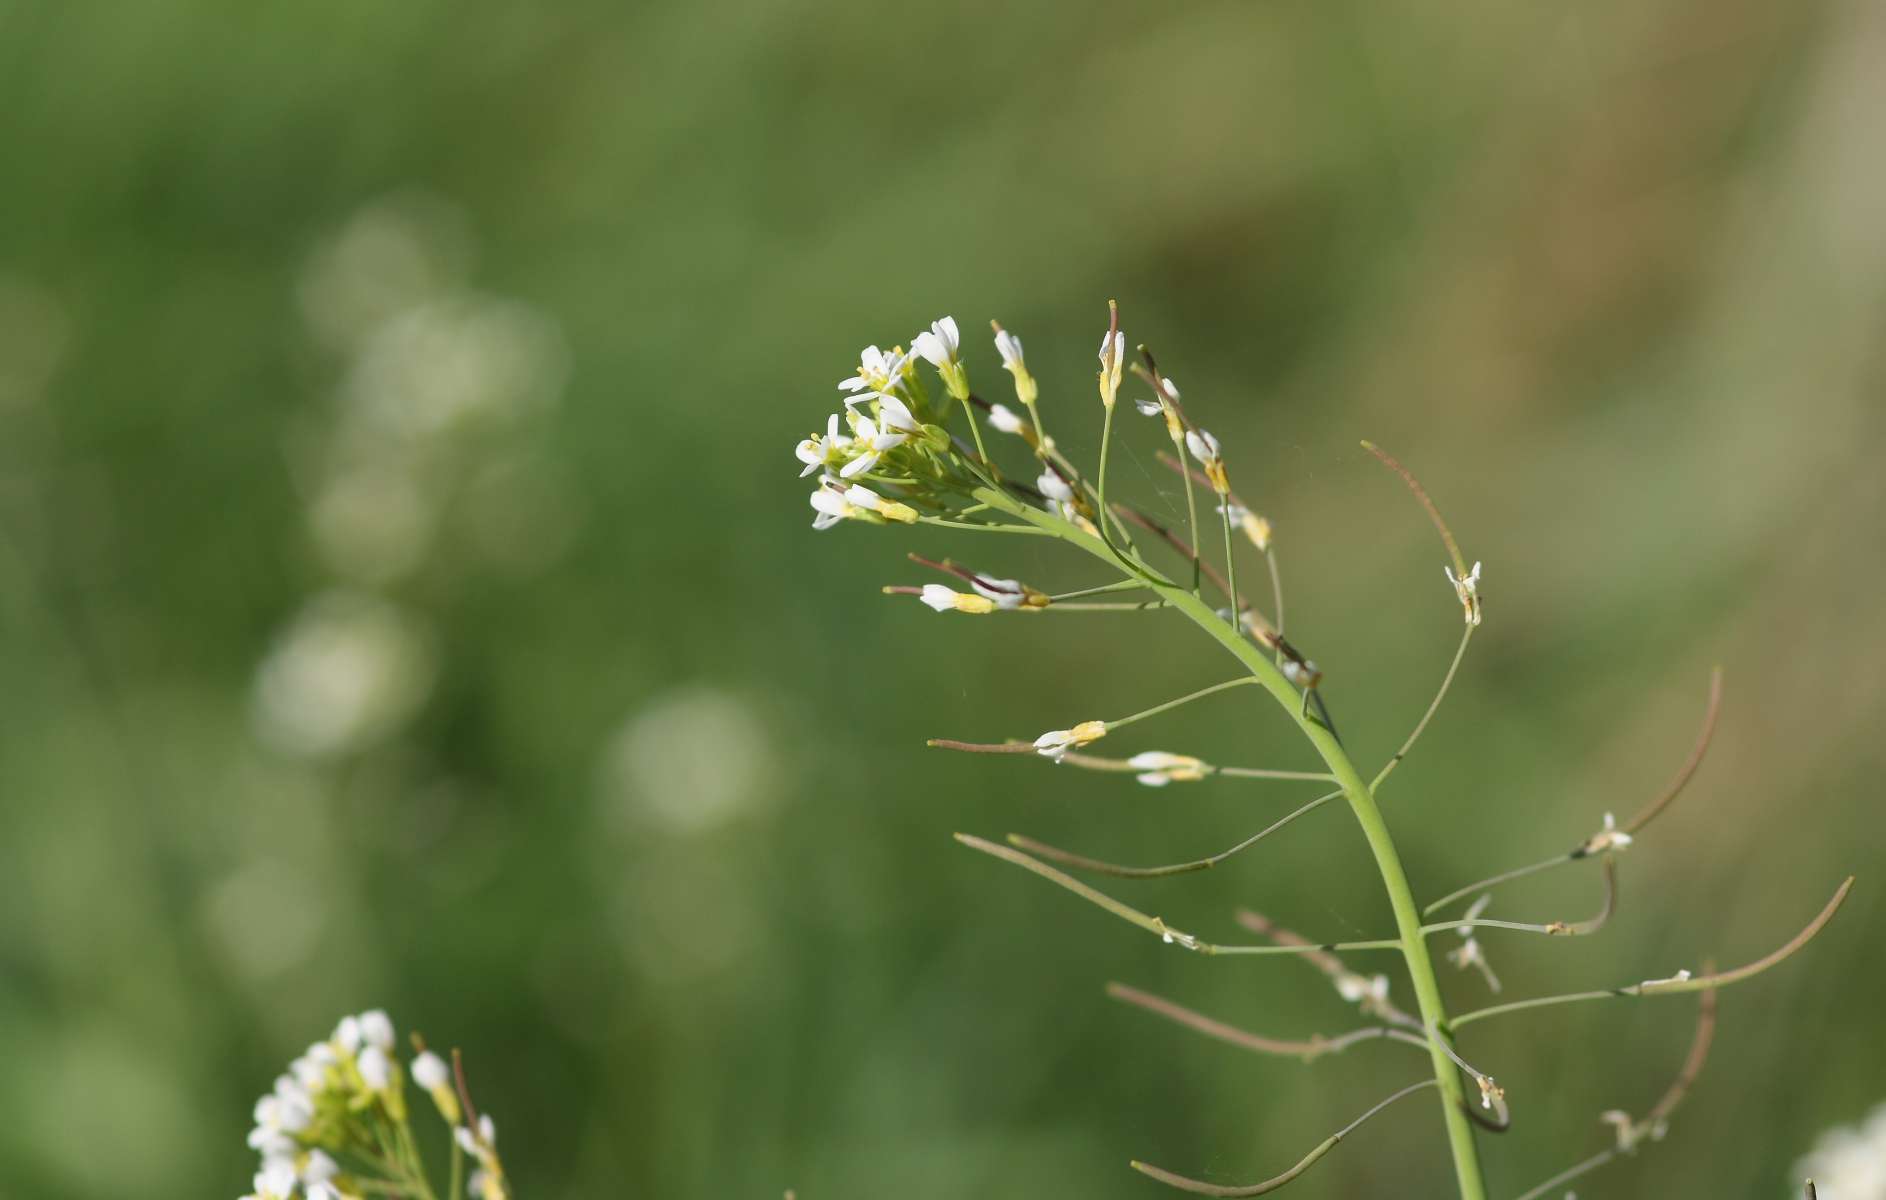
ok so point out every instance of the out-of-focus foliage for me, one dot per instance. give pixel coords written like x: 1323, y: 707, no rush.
x: 406, y: 599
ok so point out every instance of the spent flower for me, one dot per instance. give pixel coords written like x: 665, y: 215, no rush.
x: 1608, y: 838
x: 1112, y: 362
x: 1204, y: 447
x: 1157, y: 768
x: 1255, y: 528
x: 943, y: 599
x: 1470, y: 953
x: 1467, y: 587
x: 1057, y: 742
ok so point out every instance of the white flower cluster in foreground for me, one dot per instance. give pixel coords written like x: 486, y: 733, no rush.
x: 336, y: 1125
x: 1849, y: 1161
x: 890, y: 428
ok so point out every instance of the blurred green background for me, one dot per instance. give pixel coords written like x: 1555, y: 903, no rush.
x: 407, y: 598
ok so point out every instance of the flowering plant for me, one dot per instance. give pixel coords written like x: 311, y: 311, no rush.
x: 892, y: 457
x: 336, y: 1125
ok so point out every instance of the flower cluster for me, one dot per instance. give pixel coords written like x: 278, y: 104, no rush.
x: 336, y: 1124
x: 890, y: 433
x: 887, y: 432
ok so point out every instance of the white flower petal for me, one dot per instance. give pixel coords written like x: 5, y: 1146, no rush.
x: 1204, y: 446
x: 831, y: 503
x: 430, y: 1071
x: 895, y: 414
x: 937, y: 596
x: 1009, y: 347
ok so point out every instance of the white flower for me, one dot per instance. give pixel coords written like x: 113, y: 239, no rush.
x: 286, y: 1110
x: 828, y: 451
x: 376, y: 1069
x: 311, y: 1069
x: 1849, y: 1162
x: 376, y: 1028
x: 1204, y: 447
x: 319, y: 1168
x: 1256, y: 528
x: 467, y: 1140
x: 1470, y: 953
x: 276, y: 1178
x: 1057, y: 742
x: 832, y: 508
x: 1004, y: 419
x: 894, y: 416
x: 940, y: 344
x: 1608, y: 838
x: 1682, y: 976
x: 324, y: 1191
x: 1629, y: 1132
x: 942, y: 599
x: 487, y: 1130
x: 878, y: 371
x: 1010, y: 348
x: 1467, y: 587
x: 859, y: 465
x: 1149, y: 408
x: 863, y: 497
x: 836, y: 502
x: 1054, y: 487
x: 1157, y: 768
x: 430, y: 1071
x: 347, y: 1034
x: 1367, y: 991
x: 878, y: 437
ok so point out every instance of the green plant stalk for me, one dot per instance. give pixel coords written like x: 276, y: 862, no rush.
x: 1361, y: 799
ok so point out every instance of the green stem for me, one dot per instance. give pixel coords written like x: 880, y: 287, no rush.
x: 1191, y: 516
x: 975, y: 429
x: 1231, y: 567
x: 1361, y: 802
